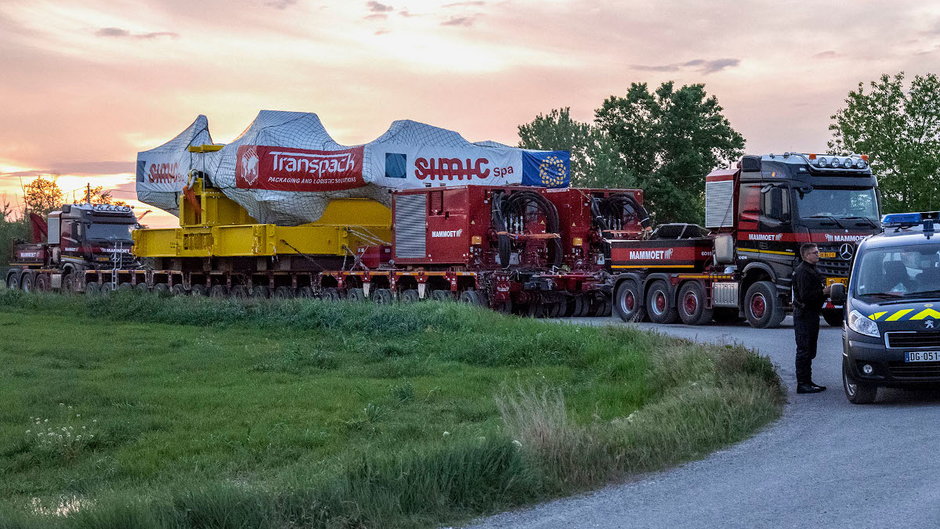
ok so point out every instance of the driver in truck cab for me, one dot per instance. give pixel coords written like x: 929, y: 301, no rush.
x: 891, y: 336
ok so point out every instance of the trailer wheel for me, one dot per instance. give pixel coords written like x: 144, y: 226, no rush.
x: 627, y: 302
x: 161, y: 289
x: 178, y: 289
x: 691, y: 304
x: 585, y: 306
x: 833, y: 316
x: 659, y: 303
x: 68, y: 284
x: 305, y: 292
x: 125, y: 286
x: 43, y: 283
x: 409, y: 296
x: 237, y: 291
x: 471, y: 297
x: 382, y: 296
x: 104, y: 288
x: 762, y: 306
x: 26, y: 281
x: 13, y: 279
x: 92, y: 289
x: 218, y: 291
x: 442, y: 295
x: 283, y: 292
x: 197, y: 289
x: 260, y: 291
x: 330, y: 294
x: 355, y: 294
x: 142, y: 288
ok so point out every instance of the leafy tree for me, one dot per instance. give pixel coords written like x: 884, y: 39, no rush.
x: 900, y: 130
x: 670, y: 139
x: 594, y: 160
x: 42, y: 196
x: 11, y: 229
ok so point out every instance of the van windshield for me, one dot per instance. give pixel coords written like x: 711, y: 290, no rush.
x: 905, y: 272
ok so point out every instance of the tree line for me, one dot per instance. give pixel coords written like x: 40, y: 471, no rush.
x: 667, y: 140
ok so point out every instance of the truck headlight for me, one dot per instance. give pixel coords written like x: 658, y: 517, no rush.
x: 863, y: 324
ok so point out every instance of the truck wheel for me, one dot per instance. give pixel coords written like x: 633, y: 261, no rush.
x: 855, y: 391
x: 659, y: 303
x: 833, y: 316
x: 260, y: 291
x: 26, y: 281
x: 691, y: 304
x: 585, y: 306
x: 178, y: 289
x: 68, y: 284
x: 237, y: 291
x: 382, y: 296
x: 355, y: 294
x: 197, y: 289
x: 161, y: 289
x: 762, y: 306
x: 124, y: 287
x: 471, y: 297
x: 13, y: 279
x: 43, y: 283
x: 141, y: 288
x: 92, y: 289
x: 305, y: 292
x: 409, y: 296
x: 104, y: 288
x: 218, y: 291
x: 627, y: 302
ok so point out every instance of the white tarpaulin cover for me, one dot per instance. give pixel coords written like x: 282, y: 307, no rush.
x: 285, y: 167
x: 162, y: 172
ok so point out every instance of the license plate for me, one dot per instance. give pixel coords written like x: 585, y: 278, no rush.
x: 827, y: 255
x: 922, y: 356
x: 831, y: 280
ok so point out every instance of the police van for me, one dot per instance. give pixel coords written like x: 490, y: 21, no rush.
x: 891, y: 336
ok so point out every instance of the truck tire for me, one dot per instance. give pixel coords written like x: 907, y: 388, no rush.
x: 283, y: 292
x: 68, y: 283
x: 691, y: 304
x: 330, y: 294
x: 472, y: 297
x: 442, y: 295
x: 833, y: 316
x: 104, y: 288
x: 218, y: 291
x: 142, y: 288
x: 26, y: 281
x: 627, y: 302
x: 161, y: 289
x: 305, y: 292
x: 762, y: 306
x: 260, y: 291
x: 237, y: 291
x: 92, y: 289
x: 13, y: 279
x: 855, y: 391
x: 123, y: 287
x: 178, y: 289
x: 660, y: 304
x: 197, y: 289
x: 43, y: 283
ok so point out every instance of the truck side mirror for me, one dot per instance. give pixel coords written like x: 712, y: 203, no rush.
x: 837, y: 293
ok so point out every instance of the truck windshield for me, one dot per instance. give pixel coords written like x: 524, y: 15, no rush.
x: 837, y: 203
x: 905, y: 272
x: 110, y: 232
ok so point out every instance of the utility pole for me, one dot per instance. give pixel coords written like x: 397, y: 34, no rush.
x: 88, y: 192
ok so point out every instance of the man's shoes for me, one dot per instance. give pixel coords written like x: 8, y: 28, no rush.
x: 809, y: 388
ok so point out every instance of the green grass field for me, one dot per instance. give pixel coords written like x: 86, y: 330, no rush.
x: 138, y: 411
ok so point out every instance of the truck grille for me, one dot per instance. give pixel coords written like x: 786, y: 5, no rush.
x: 833, y: 267
x: 914, y: 370
x: 912, y: 339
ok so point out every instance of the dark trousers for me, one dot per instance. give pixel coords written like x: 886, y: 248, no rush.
x: 806, y: 328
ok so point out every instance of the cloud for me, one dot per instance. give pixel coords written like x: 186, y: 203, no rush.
x: 828, y: 54
x: 123, y: 33
x: 458, y: 21
x: 699, y: 65
x: 75, y: 168
x: 376, y: 16
x: 377, y: 7
x: 476, y: 3
x: 280, y: 4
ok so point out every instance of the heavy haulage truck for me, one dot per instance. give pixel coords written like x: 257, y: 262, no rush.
x: 74, y: 245
x: 757, y: 215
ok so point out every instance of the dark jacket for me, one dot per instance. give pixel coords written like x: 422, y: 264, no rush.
x: 808, y: 288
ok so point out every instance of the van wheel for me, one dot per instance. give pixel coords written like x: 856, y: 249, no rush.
x: 627, y: 303
x: 762, y: 306
x: 659, y: 303
x: 855, y: 391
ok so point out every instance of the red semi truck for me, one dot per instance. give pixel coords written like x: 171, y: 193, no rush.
x: 757, y: 215
x: 76, y: 241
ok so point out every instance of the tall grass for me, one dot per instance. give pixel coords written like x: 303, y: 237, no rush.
x: 570, y: 408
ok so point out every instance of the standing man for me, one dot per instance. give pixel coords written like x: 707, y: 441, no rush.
x: 808, y: 298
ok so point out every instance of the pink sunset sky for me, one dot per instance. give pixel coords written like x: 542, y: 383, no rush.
x: 87, y: 84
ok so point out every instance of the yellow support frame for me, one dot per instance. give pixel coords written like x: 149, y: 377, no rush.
x: 212, y: 225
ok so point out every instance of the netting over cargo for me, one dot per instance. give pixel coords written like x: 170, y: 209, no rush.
x: 285, y: 168
x: 162, y: 172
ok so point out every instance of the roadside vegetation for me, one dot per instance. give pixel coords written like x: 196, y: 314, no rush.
x: 148, y: 412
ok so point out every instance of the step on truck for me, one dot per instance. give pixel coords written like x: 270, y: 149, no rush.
x: 757, y: 214
x: 75, y: 246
